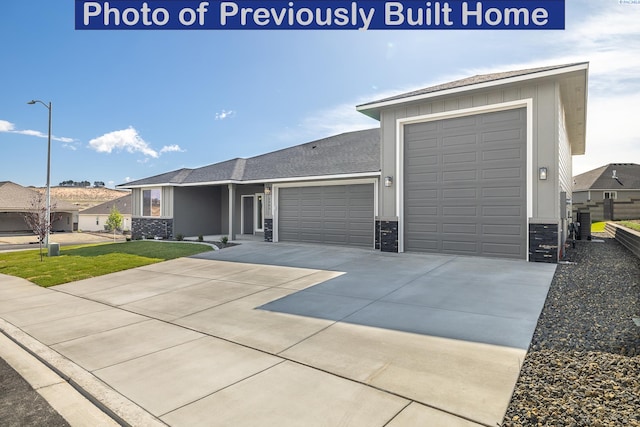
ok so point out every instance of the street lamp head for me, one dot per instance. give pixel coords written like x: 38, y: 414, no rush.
x: 33, y: 101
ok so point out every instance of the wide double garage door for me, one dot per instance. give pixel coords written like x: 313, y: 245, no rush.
x: 333, y: 214
x: 465, y: 185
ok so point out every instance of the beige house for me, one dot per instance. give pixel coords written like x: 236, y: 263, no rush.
x: 16, y: 200
x: 95, y: 218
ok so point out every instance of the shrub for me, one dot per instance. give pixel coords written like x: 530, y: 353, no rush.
x: 200, y: 238
x: 179, y: 237
x: 224, y: 240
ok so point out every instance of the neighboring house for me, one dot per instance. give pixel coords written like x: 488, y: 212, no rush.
x: 16, y: 200
x: 480, y: 166
x: 610, y: 192
x: 95, y: 218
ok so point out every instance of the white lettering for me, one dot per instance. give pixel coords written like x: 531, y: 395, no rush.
x: 366, y: 18
x: 493, y: 16
x: 466, y: 12
x: 227, y: 9
x: 202, y: 9
x: 91, y: 9
x: 540, y: 16
x: 187, y: 20
x: 135, y: 16
x: 393, y: 10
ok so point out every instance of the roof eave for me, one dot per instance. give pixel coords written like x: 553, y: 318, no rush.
x: 373, y: 109
x: 262, y: 181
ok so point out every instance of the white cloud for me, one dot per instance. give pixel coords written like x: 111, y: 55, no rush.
x: 6, y: 126
x: 171, y: 148
x: 331, y: 121
x: 224, y: 114
x: 119, y: 140
x: 9, y: 127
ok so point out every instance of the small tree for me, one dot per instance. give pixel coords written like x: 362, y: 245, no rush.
x: 36, y: 216
x: 114, y: 222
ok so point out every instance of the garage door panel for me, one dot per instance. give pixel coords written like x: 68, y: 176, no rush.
x: 460, y: 175
x: 459, y: 158
x: 474, y: 200
x: 333, y: 214
x: 459, y: 247
x: 502, y: 173
x: 459, y: 228
x: 501, y: 136
x: 501, y: 154
x: 458, y: 122
x: 451, y: 141
x: 502, y: 229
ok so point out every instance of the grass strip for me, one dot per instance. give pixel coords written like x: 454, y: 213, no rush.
x: 86, y: 261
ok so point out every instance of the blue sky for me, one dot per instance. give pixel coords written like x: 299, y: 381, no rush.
x: 132, y: 104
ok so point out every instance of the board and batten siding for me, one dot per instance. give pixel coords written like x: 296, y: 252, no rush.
x: 166, y: 203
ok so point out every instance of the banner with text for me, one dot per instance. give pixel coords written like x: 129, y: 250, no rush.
x: 320, y: 15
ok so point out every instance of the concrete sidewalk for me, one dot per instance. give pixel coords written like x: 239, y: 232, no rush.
x: 183, y: 342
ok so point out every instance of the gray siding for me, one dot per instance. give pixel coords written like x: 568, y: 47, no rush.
x: 465, y: 185
x: 197, y: 211
x: 544, y: 132
x: 334, y: 214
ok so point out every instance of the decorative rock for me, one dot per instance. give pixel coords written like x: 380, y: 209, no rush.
x: 583, y: 365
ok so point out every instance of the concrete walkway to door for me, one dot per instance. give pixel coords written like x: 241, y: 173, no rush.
x: 289, y: 334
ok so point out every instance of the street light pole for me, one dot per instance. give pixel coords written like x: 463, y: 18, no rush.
x: 48, y: 196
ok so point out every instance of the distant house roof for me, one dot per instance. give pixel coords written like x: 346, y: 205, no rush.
x: 122, y: 204
x: 348, y: 153
x: 614, y: 176
x: 573, y: 87
x: 16, y: 198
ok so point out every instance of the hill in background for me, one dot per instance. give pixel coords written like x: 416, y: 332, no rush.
x: 85, y: 198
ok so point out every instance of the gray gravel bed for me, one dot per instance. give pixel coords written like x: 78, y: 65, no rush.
x: 583, y: 365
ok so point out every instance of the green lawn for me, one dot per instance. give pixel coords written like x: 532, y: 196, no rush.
x: 598, y: 227
x: 634, y: 225
x: 83, y: 262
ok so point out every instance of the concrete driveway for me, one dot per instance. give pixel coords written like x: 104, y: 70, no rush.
x: 289, y: 335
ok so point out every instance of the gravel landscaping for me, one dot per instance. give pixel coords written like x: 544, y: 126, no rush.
x: 583, y: 365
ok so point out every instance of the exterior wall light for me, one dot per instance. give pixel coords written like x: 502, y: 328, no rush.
x: 542, y: 173
x: 267, y: 190
x: 388, y: 181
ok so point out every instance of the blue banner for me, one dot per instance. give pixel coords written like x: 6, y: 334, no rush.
x: 319, y: 15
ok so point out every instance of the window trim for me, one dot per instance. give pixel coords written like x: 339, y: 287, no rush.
x: 150, y: 207
x: 612, y: 195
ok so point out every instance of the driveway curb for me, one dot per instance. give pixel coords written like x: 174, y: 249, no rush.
x: 113, y: 408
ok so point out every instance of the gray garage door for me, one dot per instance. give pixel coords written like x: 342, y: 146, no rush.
x: 465, y: 185
x: 335, y: 214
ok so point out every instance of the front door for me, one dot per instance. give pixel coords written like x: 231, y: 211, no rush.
x: 247, y: 215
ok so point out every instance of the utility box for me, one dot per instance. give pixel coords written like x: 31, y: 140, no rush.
x: 584, y: 218
x: 54, y: 249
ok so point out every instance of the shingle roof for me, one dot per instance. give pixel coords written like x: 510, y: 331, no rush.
x: 122, y: 204
x: 602, y: 178
x: 469, y: 81
x: 16, y: 198
x: 347, y: 153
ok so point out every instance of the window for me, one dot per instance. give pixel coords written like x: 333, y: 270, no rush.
x: 151, y: 202
x: 610, y: 195
x: 259, y: 212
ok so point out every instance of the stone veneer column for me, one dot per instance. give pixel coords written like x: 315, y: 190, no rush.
x: 268, y: 229
x: 151, y: 227
x: 388, y: 236
x: 543, y: 243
